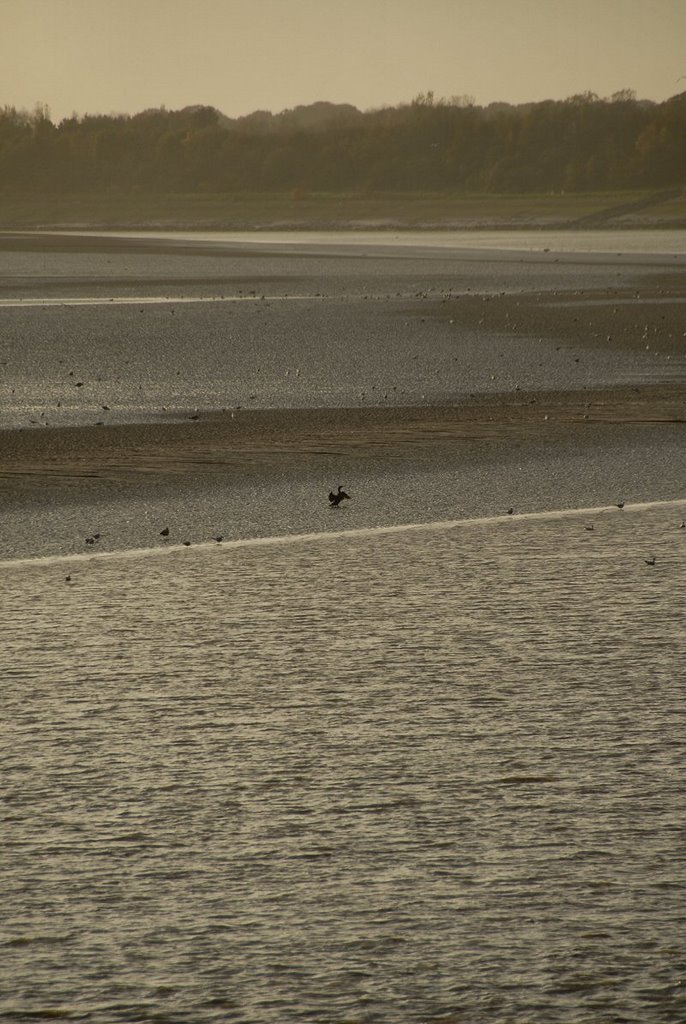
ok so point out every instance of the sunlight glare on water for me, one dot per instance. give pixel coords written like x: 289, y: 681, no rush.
x: 407, y: 775
x: 657, y: 241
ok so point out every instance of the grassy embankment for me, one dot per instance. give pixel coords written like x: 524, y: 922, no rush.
x: 31, y: 211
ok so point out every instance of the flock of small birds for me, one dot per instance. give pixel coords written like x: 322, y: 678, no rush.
x: 492, y: 317
x: 648, y: 561
x: 165, y: 533
x: 335, y: 499
x: 590, y: 527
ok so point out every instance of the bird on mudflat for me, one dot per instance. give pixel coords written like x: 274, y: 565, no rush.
x: 649, y: 561
x: 164, y: 532
x: 336, y: 499
x: 620, y: 504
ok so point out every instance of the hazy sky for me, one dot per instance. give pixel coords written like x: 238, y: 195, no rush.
x: 121, y: 56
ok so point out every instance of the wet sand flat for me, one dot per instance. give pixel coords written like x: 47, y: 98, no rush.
x: 409, y: 376
x: 271, y: 475
x: 228, y: 439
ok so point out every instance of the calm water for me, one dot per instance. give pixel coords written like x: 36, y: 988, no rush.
x: 429, y: 774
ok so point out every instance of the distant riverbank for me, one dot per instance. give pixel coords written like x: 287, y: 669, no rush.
x: 339, y: 211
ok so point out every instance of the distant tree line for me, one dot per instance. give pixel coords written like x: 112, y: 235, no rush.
x: 582, y: 143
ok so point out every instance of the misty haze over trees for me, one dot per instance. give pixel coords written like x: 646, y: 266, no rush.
x: 583, y: 143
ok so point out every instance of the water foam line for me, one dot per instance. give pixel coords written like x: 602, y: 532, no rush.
x: 354, y: 532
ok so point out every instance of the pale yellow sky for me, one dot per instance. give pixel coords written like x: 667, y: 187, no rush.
x: 121, y: 56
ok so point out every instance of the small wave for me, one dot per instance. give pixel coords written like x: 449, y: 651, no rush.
x: 309, y: 538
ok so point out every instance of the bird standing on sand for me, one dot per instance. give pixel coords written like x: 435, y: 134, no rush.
x: 336, y: 499
x: 164, y: 532
x: 649, y: 561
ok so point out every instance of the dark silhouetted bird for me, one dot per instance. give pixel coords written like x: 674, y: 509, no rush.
x: 510, y: 511
x: 164, y: 532
x: 620, y: 504
x: 336, y: 499
x: 649, y: 561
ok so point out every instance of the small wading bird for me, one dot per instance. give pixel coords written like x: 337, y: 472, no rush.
x: 649, y: 561
x: 336, y: 499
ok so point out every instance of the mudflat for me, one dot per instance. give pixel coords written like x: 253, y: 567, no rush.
x: 429, y: 384
x: 220, y: 441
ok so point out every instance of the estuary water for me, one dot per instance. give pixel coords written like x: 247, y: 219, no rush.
x: 411, y: 774
x: 404, y: 765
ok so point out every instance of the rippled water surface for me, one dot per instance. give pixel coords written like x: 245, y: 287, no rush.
x: 423, y: 774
